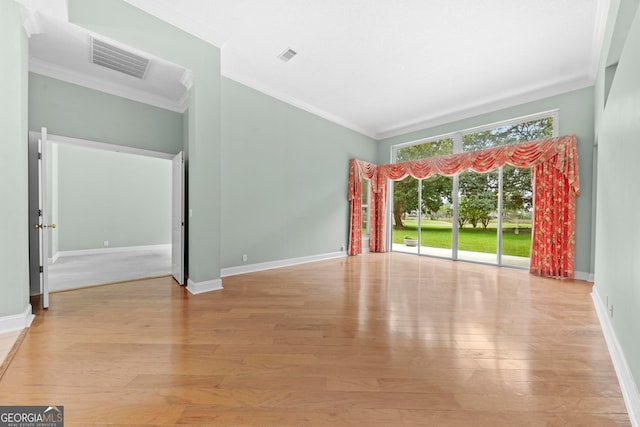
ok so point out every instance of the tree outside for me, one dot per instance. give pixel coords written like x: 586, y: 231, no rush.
x: 436, y: 191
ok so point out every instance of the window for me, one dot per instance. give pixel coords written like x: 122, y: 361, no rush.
x: 472, y: 216
x: 365, y: 208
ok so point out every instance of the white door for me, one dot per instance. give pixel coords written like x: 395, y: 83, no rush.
x: 177, y: 218
x: 44, y: 226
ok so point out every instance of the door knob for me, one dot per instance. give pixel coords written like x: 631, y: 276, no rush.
x: 43, y: 226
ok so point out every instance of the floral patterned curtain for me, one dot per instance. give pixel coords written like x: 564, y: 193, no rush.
x: 556, y: 185
x: 358, y: 170
x: 554, y: 213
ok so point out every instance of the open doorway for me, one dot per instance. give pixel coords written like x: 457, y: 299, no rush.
x: 115, y: 211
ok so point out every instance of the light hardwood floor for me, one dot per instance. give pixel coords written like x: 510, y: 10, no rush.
x: 377, y: 340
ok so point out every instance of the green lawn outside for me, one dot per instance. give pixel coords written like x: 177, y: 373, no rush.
x: 437, y: 234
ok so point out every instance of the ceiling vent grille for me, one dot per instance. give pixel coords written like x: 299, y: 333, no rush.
x: 115, y: 58
x: 287, y: 54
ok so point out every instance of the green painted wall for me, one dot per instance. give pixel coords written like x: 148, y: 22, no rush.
x: 70, y: 110
x: 126, y: 24
x: 124, y: 199
x: 576, y: 117
x: 14, y: 226
x: 617, y: 270
x: 284, y: 176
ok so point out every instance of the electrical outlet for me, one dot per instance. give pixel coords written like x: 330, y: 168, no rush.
x: 611, y: 311
x: 106, y: 243
x: 244, y: 257
x: 342, y: 247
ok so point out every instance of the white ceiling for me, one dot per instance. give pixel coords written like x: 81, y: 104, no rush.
x: 386, y: 67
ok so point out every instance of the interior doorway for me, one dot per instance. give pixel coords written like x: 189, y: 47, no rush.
x: 137, y: 242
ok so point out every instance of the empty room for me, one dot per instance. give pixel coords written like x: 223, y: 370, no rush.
x: 381, y: 213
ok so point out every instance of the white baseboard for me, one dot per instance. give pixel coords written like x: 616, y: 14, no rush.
x: 581, y: 275
x: 252, y: 268
x: 54, y: 258
x: 17, y: 321
x: 112, y: 250
x: 628, y: 386
x: 201, y: 287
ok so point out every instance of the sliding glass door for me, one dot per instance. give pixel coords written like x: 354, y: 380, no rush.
x: 472, y: 216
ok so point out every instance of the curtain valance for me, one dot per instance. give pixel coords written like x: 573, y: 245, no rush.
x: 358, y: 170
x: 525, y: 155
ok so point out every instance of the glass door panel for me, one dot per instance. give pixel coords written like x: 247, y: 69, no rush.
x: 437, y: 217
x: 517, y: 210
x: 365, y: 208
x: 477, y: 217
x: 426, y: 205
x: 406, y: 216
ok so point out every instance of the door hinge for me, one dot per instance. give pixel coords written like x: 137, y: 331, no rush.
x: 39, y: 212
x: 39, y: 156
x: 41, y: 269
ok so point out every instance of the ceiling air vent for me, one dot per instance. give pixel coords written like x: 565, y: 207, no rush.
x: 115, y: 58
x: 287, y: 54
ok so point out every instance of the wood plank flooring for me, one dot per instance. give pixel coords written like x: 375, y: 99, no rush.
x: 377, y: 340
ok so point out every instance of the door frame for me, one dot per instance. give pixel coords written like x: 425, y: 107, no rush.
x: 33, y: 135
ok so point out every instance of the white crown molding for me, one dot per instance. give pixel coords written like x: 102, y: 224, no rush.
x: 597, y: 42
x: 17, y: 321
x: 50, y: 70
x: 186, y: 79
x: 201, y: 287
x: 30, y: 21
x: 184, y: 101
x: 463, y: 112
x: 287, y: 99
x: 252, y: 268
x: 628, y: 386
x: 498, y: 103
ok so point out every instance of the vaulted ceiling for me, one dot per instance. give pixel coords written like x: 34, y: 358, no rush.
x: 385, y: 67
